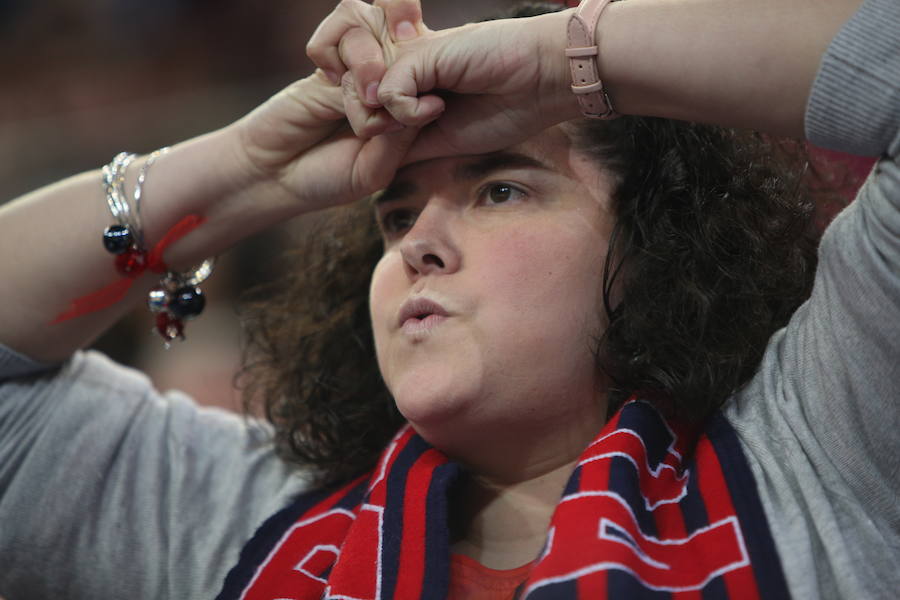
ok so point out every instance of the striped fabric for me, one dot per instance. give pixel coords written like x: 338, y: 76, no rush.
x: 651, y: 511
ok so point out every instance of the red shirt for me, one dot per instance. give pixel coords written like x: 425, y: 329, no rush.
x: 470, y: 580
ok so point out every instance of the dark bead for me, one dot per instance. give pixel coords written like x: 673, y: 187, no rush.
x: 169, y: 327
x: 131, y: 263
x: 117, y: 239
x: 187, y: 302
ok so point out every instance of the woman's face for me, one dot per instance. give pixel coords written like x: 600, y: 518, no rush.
x: 507, y: 252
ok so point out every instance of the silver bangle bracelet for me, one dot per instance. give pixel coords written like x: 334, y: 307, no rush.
x: 177, y: 297
x: 139, y: 191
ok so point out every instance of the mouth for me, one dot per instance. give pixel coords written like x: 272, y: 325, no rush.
x: 420, y: 314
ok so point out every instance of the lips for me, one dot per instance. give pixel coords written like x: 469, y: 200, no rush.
x: 420, y: 309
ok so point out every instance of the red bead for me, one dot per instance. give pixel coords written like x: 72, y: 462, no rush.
x: 131, y: 263
x: 169, y: 327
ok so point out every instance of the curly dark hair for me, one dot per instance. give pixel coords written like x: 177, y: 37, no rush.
x: 712, y: 252
x: 713, y: 248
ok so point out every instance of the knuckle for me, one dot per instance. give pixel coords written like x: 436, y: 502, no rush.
x: 350, y: 8
x: 361, y: 51
x: 313, y: 50
x: 388, y: 94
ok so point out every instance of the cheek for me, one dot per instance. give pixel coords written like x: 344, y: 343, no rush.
x: 378, y: 286
x: 381, y: 290
x: 549, y: 279
x: 540, y: 317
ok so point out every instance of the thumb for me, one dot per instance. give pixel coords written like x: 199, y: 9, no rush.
x: 379, y: 159
x: 404, y: 18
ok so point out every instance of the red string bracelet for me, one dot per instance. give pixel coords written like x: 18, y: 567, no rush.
x: 138, y: 263
x: 177, y: 297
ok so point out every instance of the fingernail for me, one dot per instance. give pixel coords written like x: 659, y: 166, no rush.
x: 405, y: 31
x: 372, y: 93
x: 332, y: 77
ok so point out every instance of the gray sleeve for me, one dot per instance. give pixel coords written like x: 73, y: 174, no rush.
x: 841, y: 352
x: 111, y: 490
x: 854, y: 106
x: 820, y: 420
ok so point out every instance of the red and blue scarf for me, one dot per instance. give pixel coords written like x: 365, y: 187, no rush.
x: 653, y: 510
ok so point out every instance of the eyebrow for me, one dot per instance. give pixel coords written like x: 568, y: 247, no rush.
x: 467, y: 171
x: 496, y: 161
x: 397, y: 190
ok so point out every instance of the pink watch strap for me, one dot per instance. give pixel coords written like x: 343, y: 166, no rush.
x: 582, y: 53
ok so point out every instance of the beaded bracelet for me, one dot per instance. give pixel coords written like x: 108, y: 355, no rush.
x: 177, y: 298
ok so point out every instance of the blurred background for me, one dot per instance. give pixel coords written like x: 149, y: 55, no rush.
x: 85, y: 79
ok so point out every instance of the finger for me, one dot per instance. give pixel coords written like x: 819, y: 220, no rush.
x: 366, y: 122
x: 379, y: 159
x: 399, y: 94
x: 363, y: 55
x: 404, y: 18
x: 470, y: 126
x: 322, y: 47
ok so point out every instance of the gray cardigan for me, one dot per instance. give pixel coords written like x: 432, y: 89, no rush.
x: 109, y: 489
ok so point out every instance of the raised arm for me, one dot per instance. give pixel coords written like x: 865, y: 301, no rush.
x: 292, y: 155
x: 728, y: 62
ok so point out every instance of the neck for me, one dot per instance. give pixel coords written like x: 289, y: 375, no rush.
x: 503, y: 525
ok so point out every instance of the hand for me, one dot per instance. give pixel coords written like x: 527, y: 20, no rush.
x: 507, y: 78
x: 350, y: 31
x: 297, y: 146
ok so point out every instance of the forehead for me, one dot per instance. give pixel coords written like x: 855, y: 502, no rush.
x: 551, y: 150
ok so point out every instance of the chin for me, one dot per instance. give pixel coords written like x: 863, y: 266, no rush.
x: 430, y: 398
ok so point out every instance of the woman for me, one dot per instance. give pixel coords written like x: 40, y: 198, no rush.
x: 501, y: 245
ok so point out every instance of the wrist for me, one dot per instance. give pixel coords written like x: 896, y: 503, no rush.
x: 555, y: 90
x: 195, y: 177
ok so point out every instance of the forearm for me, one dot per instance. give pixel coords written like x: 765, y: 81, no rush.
x: 727, y: 62
x: 51, y: 251
x: 287, y: 157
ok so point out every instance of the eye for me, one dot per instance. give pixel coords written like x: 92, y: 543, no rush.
x: 398, y: 220
x: 499, y: 193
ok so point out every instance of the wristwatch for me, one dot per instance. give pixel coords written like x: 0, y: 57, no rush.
x: 582, y: 53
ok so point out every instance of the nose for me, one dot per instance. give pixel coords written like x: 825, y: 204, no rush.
x: 430, y: 247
